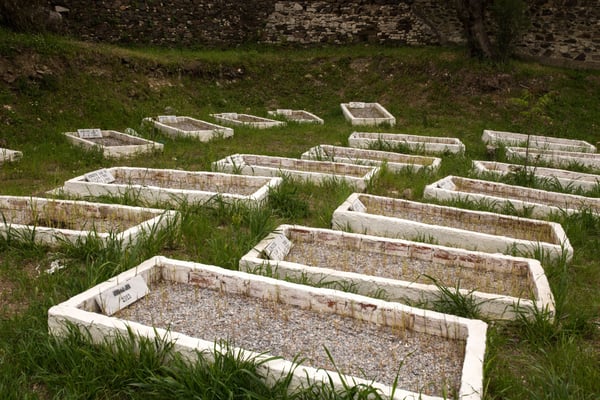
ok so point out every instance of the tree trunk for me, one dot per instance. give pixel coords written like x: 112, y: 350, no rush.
x: 472, y: 15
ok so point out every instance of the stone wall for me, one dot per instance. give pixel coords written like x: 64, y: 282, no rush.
x: 561, y: 31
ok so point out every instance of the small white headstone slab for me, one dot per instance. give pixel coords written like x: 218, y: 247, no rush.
x: 358, y: 206
x: 100, y: 176
x: 356, y: 104
x: 447, y: 184
x: 131, y: 131
x: 119, y: 297
x: 278, y: 248
x: 89, y: 133
x: 167, y: 118
x: 236, y: 160
x: 229, y: 115
x: 284, y: 111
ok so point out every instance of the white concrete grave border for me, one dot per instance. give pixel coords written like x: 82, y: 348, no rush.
x: 309, y: 170
x: 448, y: 226
x: 394, y: 161
x: 15, y: 208
x: 558, y: 158
x: 495, y: 138
x: 566, y: 178
x: 138, y: 144
x: 253, y: 120
x: 498, y: 195
x: 299, y: 116
x: 258, y: 187
x: 7, y: 155
x: 493, y: 305
x: 386, y: 118
x: 206, y: 131
x: 427, y: 144
x: 83, y: 311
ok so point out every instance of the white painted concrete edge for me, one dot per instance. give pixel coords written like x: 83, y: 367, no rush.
x: 102, y: 327
x: 345, y: 217
x: 494, y: 306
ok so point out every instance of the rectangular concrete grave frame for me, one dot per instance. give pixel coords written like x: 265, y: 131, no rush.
x: 252, y: 121
x: 113, y: 144
x: 54, y: 221
x: 426, y: 144
x: 360, y: 113
x: 181, y: 126
x: 401, y: 270
x: 450, y: 226
x: 499, y: 195
x: 300, y: 116
x: 173, y: 186
x: 566, y: 178
x: 556, y: 158
x: 310, y: 170
x: 394, y: 161
x: 7, y: 155
x: 83, y: 311
x: 510, y: 139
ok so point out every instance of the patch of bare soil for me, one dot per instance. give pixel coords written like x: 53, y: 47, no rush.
x: 11, y: 302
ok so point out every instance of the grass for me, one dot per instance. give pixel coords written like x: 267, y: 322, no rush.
x: 431, y: 91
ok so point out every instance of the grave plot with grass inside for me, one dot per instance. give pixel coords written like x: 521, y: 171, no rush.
x: 247, y: 120
x: 495, y: 138
x: 565, y: 178
x: 359, y: 113
x: 393, y: 161
x: 52, y: 221
x: 315, y: 171
x: 557, y: 158
x: 400, y: 270
x: 371, y: 341
x: 170, y: 186
x: 7, y: 155
x: 403, y: 142
x: 299, y: 116
x: 502, y: 197
x: 450, y: 226
x: 112, y: 143
x: 175, y: 126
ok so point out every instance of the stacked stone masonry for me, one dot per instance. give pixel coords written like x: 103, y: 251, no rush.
x: 560, y: 32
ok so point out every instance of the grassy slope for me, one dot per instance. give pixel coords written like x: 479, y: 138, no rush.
x: 56, y: 85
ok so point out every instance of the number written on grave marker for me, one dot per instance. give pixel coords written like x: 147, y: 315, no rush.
x: 358, y: 206
x: 89, y: 133
x: 100, y: 176
x: 116, y: 298
x: 278, y: 248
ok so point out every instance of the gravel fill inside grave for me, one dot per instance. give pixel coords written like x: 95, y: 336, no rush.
x: 425, y: 363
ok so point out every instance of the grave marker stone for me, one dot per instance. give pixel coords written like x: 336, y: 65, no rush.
x: 89, y: 133
x: 115, y: 299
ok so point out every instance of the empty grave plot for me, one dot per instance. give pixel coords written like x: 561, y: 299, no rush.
x: 311, y: 170
x: 53, y: 220
x: 558, y: 158
x: 402, y: 142
x: 299, y: 116
x: 197, y: 306
x: 359, y: 113
x: 566, y: 178
x: 498, y: 196
x: 112, y: 143
x: 450, y: 226
x: 393, y: 161
x: 7, y: 155
x: 175, y: 126
x: 496, y: 138
x: 401, y: 270
x: 172, y: 186
x: 247, y: 120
